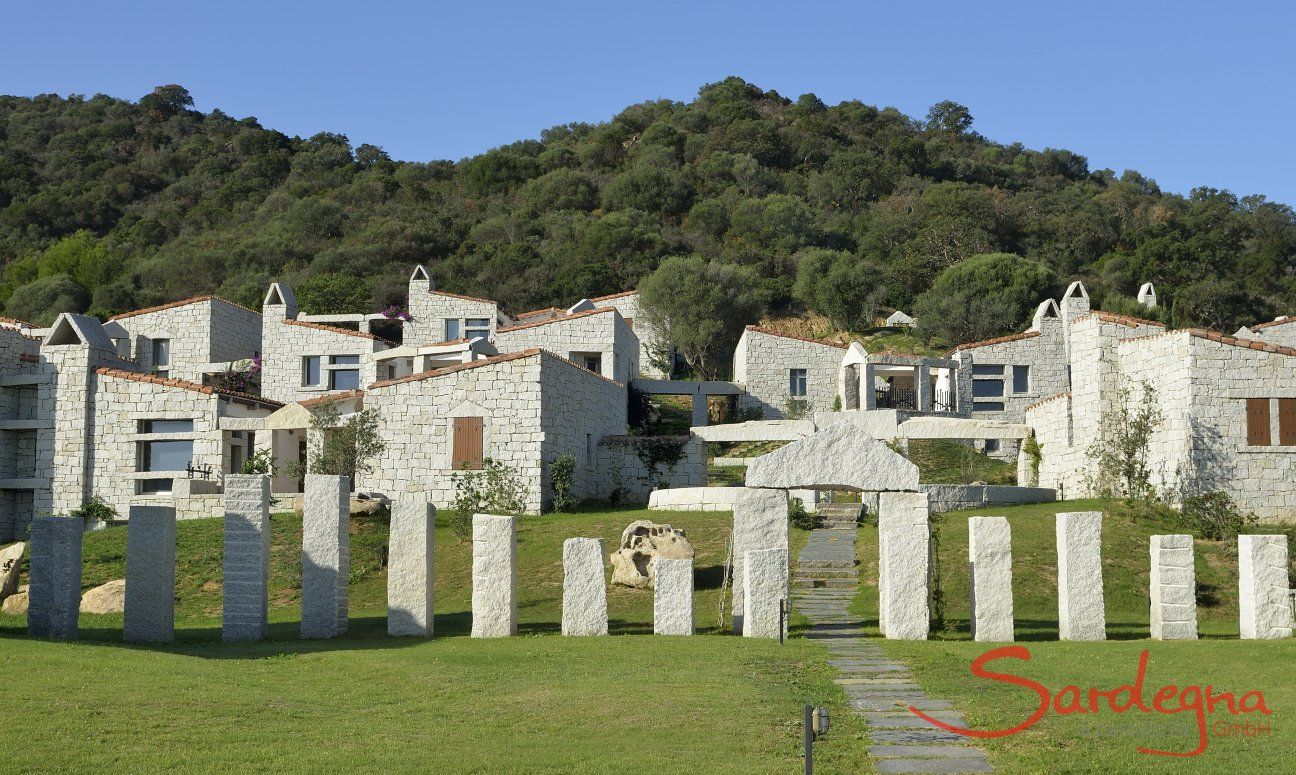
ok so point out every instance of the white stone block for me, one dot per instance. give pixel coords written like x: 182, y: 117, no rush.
x: 1080, y: 581
x: 1172, y: 588
x: 838, y: 456
x: 150, y: 575
x: 246, y: 564
x: 494, y: 591
x: 990, y: 575
x: 584, y: 610
x: 326, y: 555
x: 904, y: 543
x: 411, y: 568
x: 765, y: 577
x: 54, y: 579
x: 1264, y: 600
x: 760, y: 522
x: 673, y: 597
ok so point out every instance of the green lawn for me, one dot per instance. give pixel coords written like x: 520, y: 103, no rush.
x: 941, y: 461
x: 1106, y: 742
x: 632, y: 702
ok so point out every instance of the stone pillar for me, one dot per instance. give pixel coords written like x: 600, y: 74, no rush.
x: 246, y: 566
x: 850, y: 387
x: 868, y: 387
x: 760, y: 522
x: 990, y: 574
x: 1173, y: 588
x: 1080, y: 582
x: 494, y: 576
x: 673, y: 597
x: 1027, y: 473
x: 54, y: 582
x: 904, y: 542
x: 765, y: 577
x: 700, y: 416
x: 326, y: 555
x: 150, y: 575
x: 923, y: 388
x: 1264, y: 601
x: 584, y: 610
x: 411, y: 568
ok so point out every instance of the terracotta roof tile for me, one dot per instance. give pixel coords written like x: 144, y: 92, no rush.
x: 338, y: 330
x: 620, y: 295
x: 422, y: 375
x: 1064, y: 394
x: 180, y: 303
x: 536, y: 312
x: 1125, y: 320
x: 331, y: 397
x: 461, y: 296
x: 772, y: 332
x: 153, y: 379
x: 561, y: 319
x: 1251, y: 344
x: 996, y: 340
x: 1286, y: 320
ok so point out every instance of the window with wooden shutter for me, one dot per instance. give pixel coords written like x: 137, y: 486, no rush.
x: 468, y: 443
x: 1257, y: 412
x: 1287, y: 422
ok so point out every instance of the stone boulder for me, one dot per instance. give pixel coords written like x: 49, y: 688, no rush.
x: 107, y: 598
x: 10, y: 569
x: 16, y: 604
x: 642, y: 542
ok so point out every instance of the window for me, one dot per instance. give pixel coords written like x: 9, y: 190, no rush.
x: 156, y: 486
x: 1287, y: 422
x: 123, y: 347
x: 310, y: 371
x: 991, y: 445
x: 161, y: 356
x: 1257, y: 415
x: 988, y: 406
x: 468, y: 451
x: 1021, y: 379
x: 797, y: 383
x: 166, y: 426
x: 476, y: 327
x: 594, y: 363
x: 166, y: 455
x: 987, y: 388
x: 451, y: 330
x: 344, y: 379
x: 987, y: 370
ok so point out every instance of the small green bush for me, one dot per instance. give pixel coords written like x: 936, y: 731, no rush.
x: 94, y: 511
x: 1214, y: 516
x: 495, y: 489
x: 562, y: 478
x: 800, y: 517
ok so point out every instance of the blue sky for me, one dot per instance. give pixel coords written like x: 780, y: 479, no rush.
x: 1187, y: 93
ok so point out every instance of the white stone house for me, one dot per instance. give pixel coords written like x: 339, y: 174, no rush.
x: 187, y: 339
x: 523, y: 409
x: 1229, y: 408
x: 778, y: 372
x: 438, y: 316
x: 909, y: 384
x: 652, y: 342
x: 900, y: 319
x: 303, y: 360
x: 1280, y: 331
x: 598, y: 339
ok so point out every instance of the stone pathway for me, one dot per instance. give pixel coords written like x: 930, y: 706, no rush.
x: 880, y: 690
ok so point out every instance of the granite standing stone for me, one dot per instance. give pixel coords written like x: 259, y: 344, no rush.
x: 1264, y: 600
x: 326, y: 555
x: 150, y: 575
x: 1080, y: 580
x: 840, y: 455
x: 54, y: 577
x: 411, y: 568
x: 246, y: 566
x: 494, y: 590
x: 990, y: 573
x: 765, y: 576
x: 904, y: 541
x: 1173, y: 588
x: 584, y: 610
x: 760, y: 522
x: 673, y: 597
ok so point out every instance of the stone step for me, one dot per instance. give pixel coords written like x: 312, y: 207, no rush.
x: 813, y: 583
x: 932, y: 766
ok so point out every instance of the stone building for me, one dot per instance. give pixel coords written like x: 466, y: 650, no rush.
x: 784, y: 375
x: 656, y: 356
x: 187, y: 339
x: 438, y: 316
x: 1280, y: 331
x: 598, y: 339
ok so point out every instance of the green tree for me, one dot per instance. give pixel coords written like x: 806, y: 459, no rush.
x: 701, y: 307
x: 985, y: 296
x: 333, y: 293
x: 41, y: 301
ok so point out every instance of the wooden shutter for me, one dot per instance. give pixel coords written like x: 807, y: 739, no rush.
x: 468, y: 448
x: 1257, y: 412
x: 1287, y: 422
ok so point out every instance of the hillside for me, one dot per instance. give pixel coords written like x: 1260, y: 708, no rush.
x: 108, y: 204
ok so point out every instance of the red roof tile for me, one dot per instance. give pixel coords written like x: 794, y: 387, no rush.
x: 180, y: 303
x: 338, y: 330
x: 772, y: 332
x: 153, y: 379
x: 561, y: 319
x: 996, y: 340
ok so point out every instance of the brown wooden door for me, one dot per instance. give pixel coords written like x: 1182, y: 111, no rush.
x: 468, y: 451
x: 1257, y: 412
x: 1287, y: 422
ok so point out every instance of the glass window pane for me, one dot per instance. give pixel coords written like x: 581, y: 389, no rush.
x: 161, y: 352
x: 987, y: 369
x: 168, y: 426
x: 1021, y: 379
x: 344, y: 360
x: 478, y: 322
x: 988, y: 406
x: 451, y: 330
x: 159, y: 486
x: 344, y: 379
x: 987, y: 388
x: 796, y: 382
x: 311, y: 370
x: 167, y: 455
